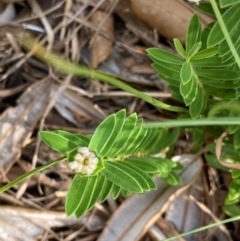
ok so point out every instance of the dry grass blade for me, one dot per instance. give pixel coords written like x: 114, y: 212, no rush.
x: 101, y: 47
x: 31, y: 223
x: 17, y: 123
x: 139, y: 212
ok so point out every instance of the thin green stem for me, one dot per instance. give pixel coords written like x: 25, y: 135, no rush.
x: 204, y: 228
x: 198, y: 122
x: 223, y: 105
x: 31, y: 173
x: 225, y: 32
x: 66, y: 67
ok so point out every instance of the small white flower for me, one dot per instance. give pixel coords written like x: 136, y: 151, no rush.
x: 195, y: 1
x: 85, y: 161
x: 94, y: 161
x: 84, y: 151
x: 79, y: 168
x: 73, y: 165
x: 79, y: 157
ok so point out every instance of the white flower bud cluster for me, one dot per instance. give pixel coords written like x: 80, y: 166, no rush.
x: 85, y: 161
x: 196, y: 1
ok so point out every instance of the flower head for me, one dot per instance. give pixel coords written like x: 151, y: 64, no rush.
x: 196, y: 1
x: 85, y: 161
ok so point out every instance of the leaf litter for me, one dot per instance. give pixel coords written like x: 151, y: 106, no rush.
x: 111, y: 36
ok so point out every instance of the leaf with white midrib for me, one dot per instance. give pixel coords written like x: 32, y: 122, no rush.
x: 106, y: 189
x: 75, y: 194
x: 57, y: 142
x: 87, y: 196
x: 121, y: 178
x: 102, y: 134
x: 119, y: 123
x: 71, y: 137
x: 123, y: 136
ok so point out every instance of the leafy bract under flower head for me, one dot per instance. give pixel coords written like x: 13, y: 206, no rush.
x: 115, y: 159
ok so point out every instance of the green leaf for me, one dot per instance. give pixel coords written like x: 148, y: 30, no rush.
x: 115, y: 191
x: 227, y: 3
x: 213, y: 161
x: 87, y: 196
x: 236, y: 139
x: 75, y: 194
x: 220, y: 84
x: 143, y: 164
x: 233, y: 113
x: 172, y: 67
x: 97, y: 192
x: 195, y: 48
x: 125, y: 193
x: 227, y: 94
x: 106, y: 189
x: 213, y: 61
x: 206, y: 8
x: 186, y: 73
x: 106, y: 132
x: 135, y: 137
x: 147, y: 183
x: 57, y: 142
x: 218, y: 74
x: 164, y: 165
x: 231, y: 20
x: 168, y: 138
x: 179, y: 48
x: 170, y: 81
x: 126, y: 179
x: 147, y: 143
x: 85, y: 138
x: 231, y: 210
x: 235, y: 173
x: 165, y: 56
x: 172, y: 179
x: 73, y: 138
x: 206, y: 31
x: 206, y: 53
x: 123, y: 137
x: 194, y: 33
x: 198, y: 133
x: 113, y: 139
x: 189, y: 91
x: 198, y: 105
x: 223, y: 46
x: 166, y: 72
x: 233, y: 192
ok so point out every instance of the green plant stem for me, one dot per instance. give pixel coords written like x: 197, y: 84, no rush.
x: 203, y: 228
x: 196, y: 122
x: 225, y: 32
x: 217, y: 108
x: 66, y: 67
x: 31, y: 173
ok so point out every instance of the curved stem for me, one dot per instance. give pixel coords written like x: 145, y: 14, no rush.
x: 31, y: 173
x: 65, y: 66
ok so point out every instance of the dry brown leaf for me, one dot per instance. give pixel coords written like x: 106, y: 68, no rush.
x: 139, y: 212
x: 74, y: 107
x: 170, y: 18
x: 101, y: 47
x: 31, y: 223
x: 17, y: 123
